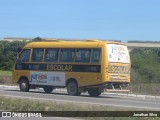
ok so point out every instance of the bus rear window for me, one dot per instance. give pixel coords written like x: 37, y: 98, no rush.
x: 117, y: 53
x: 95, y: 57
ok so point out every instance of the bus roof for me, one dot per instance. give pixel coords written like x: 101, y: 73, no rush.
x: 69, y: 44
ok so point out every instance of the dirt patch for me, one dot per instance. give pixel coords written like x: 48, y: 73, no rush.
x: 7, y: 80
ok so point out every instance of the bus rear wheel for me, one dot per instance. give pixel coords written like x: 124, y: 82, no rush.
x: 48, y: 89
x: 24, y: 85
x: 94, y: 92
x: 72, y: 89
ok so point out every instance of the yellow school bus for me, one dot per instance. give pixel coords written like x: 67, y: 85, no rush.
x: 81, y: 66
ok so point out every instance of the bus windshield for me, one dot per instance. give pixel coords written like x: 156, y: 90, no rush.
x: 118, y: 53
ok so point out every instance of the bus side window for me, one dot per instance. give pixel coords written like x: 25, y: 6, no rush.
x: 95, y: 55
x: 24, y: 56
x: 51, y: 55
x: 37, y: 54
x: 83, y: 55
x: 67, y: 55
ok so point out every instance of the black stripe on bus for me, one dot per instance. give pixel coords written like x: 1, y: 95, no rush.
x: 59, y: 67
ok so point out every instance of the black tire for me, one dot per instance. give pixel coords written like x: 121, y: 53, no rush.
x: 24, y: 85
x: 48, y: 89
x: 94, y: 92
x: 72, y: 89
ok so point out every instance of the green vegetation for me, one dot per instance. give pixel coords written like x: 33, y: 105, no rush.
x: 17, y: 104
x: 5, y: 78
x: 145, y: 65
x: 145, y: 88
x: 14, y: 104
x: 5, y: 73
x: 9, y: 52
x: 145, y: 71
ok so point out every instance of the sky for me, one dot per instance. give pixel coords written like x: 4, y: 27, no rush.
x: 81, y: 19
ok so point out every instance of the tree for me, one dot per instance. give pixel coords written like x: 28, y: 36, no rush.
x: 8, y: 53
x: 37, y: 39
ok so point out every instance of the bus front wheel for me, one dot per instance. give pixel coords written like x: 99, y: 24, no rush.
x: 24, y: 85
x: 72, y: 89
x: 94, y: 92
x: 48, y: 89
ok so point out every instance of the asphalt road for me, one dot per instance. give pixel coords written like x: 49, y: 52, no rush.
x: 104, y: 99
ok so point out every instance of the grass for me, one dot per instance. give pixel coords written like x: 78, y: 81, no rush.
x: 144, y: 88
x: 6, y: 78
x: 5, y: 73
x: 17, y: 104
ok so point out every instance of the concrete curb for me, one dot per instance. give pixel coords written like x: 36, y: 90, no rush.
x: 132, y: 95
x: 136, y: 96
x: 157, y: 97
x: 150, y: 97
x: 141, y: 96
x: 9, y: 87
